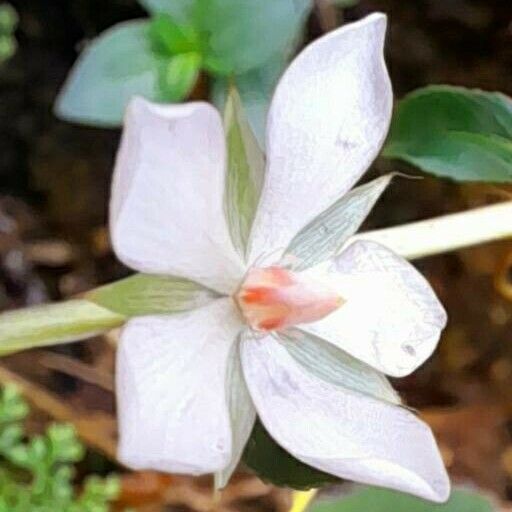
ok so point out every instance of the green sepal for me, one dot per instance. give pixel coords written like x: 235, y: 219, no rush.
x: 325, y: 235
x: 245, y: 172
x: 275, y: 465
x: 147, y: 294
x: 54, y: 324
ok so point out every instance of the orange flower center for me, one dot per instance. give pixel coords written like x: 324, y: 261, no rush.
x: 275, y: 298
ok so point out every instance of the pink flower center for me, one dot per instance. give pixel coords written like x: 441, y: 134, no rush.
x: 275, y: 298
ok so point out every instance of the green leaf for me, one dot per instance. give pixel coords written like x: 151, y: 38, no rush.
x: 244, y: 34
x: 8, y: 19
x: 345, y: 4
x: 276, y: 466
x: 454, y: 132
x: 382, y: 500
x: 12, y: 405
x: 324, y: 236
x: 335, y: 366
x: 63, y: 443
x: 172, y: 38
x: 115, y: 66
x: 53, y: 324
x: 179, y: 9
x: 179, y: 76
x: 245, y: 172
x: 8, y: 47
x: 37, y: 474
x: 146, y: 294
x: 8, y: 23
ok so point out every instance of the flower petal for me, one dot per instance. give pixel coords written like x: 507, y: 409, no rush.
x: 166, y: 212
x: 241, y: 412
x: 339, y: 431
x: 172, y: 404
x: 327, y: 122
x: 391, y: 320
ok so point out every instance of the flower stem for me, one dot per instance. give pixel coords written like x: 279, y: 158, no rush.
x: 54, y: 324
x: 445, y: 233
x: 82, y: 318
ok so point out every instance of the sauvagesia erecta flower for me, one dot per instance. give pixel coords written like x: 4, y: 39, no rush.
x: 297, y: 331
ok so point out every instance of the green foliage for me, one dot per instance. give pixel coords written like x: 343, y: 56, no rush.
x: 275, y: 465
x: 178, y: 9
x: 244, y: 34
x: 382, y: 500
x: 454, y: 132
x: 179, y: 75
x: 36, y: 474
x: 117, y: 65
x: 161, y: 58
x: 172, y: 38
x: 345, y: 4
x: 8, y: 24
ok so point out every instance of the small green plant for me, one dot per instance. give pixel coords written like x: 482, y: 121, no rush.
x: 36, y: 473
x: 383, y: 500
x: 247, y: 42
x: 8, y: 24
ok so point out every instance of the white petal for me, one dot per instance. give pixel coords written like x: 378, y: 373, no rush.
x: 166, y: 212
x: 339, y: 431
x: 391, y: 320
x: 327, y: 122
x: 241, y: 412
x: 172, y: 406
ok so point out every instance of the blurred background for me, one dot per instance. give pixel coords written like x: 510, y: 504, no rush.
x: 54, y: 188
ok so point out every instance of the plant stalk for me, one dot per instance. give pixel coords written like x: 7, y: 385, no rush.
x: 77, y: 319
x: 445, y: 233
x: 53, y: 324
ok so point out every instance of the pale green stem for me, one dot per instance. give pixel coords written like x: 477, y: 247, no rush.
x: 80, y: 318
x: 53, y: 324
x: 446, y: 233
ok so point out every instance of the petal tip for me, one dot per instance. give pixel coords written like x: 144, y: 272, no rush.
x: 441, y: 489
x: 136, y: 105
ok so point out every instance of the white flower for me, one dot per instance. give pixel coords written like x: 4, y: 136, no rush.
x: 274, y: 343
